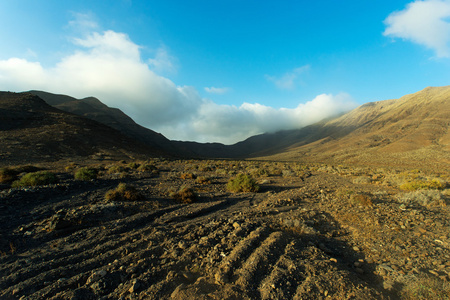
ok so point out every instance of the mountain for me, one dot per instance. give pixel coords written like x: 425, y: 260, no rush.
x: 412, y: 130
x: 94, y: 109
x: 31, y: 130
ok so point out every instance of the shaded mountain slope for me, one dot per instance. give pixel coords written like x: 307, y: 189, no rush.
x: 94, y: 109
x: 411, y: 130
x: 31, y: 130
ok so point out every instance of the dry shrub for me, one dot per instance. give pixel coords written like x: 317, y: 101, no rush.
x: 426, y: 288
x: 362, y: 180
x: 184, y: 195
x: 123, y: 192
x: 422, y: 197
x: 147, y: 167
x: 7, y: 175
x: 203, y: 180
x: 187, y: 176
x: 361, y: 199
x: 242, y: 183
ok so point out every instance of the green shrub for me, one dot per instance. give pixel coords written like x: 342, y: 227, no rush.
x: 86, y: 174
x: 36, y: 178
x: 242, y: 183
x: 116, y: 169
x: 419, y: 184
x: 123, y: 192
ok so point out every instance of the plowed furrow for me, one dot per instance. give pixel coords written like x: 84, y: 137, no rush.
x: 286, y: 275
x: 241, y: 252
x: 260, y: 262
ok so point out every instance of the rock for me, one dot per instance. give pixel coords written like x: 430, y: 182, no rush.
x: 221, y: 278
x: 135, y: 285
x: 95, y: 276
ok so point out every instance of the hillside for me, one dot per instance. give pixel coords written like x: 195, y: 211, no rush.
x: 31, y: 130
x: 94, y: 109
x: 412, y: 130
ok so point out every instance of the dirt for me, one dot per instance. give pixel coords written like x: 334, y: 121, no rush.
x: 300, y: 237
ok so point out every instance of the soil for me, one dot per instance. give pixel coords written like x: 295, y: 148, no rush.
x: 302, y: 236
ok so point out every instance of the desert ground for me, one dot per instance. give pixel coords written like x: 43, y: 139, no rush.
x: 177, y: 229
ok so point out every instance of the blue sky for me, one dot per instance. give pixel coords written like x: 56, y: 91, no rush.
x: 225, y: 70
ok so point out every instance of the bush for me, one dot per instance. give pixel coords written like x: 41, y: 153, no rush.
x: 123, y: 192
x: 426, y: 288
x: 133, y: 165
x: 422, y: 197
x: 203, y: 180
x: 423, y: 184
x: 114, y: 169
x: 188, y: 176
x: 147, y: 167
x: 242, y: 183
x: 7, y: 175
x: 36, y: 178
x: 86, y: 174
x: 361, y: 199
x: 184, y: 195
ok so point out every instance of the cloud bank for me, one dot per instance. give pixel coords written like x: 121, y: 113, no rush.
x: 423, y: 22
x: 108, y: 65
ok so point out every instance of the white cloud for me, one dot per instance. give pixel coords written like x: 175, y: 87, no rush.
x: 290, y: 79
x: 163, y: 62
x: 108, y: 65
x: 216, y: 90
x: 423, y: 22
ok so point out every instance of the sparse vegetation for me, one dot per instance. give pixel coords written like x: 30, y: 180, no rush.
x: 36, y: 178
x: 123, y: 192
x: 242, y: 183
x: 86, y: 174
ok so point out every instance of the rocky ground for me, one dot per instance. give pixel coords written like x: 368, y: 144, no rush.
x: 311, y: 232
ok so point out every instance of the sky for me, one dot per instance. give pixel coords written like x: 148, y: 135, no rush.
x: 224, y: 70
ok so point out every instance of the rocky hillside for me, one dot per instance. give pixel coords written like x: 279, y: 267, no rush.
x: 31, y: 130
x: 92, y: 108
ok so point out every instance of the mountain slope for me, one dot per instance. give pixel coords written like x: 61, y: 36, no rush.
x: 411, y: 130
x: 94, y: 109
x: 31, y: 130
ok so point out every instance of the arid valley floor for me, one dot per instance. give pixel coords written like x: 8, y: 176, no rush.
x: 312, y: 231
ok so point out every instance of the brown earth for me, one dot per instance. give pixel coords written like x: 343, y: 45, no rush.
x: 311, y: 232
x: 413, y: 130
